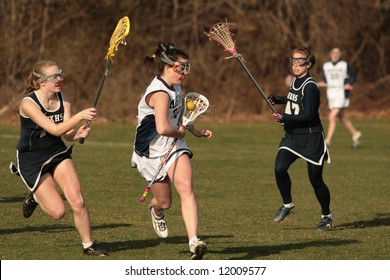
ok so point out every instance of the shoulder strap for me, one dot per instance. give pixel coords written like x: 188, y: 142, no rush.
x: 34, y: 97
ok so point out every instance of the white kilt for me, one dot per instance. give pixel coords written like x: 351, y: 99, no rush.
x: 337, y: 98
x: 147, y: 167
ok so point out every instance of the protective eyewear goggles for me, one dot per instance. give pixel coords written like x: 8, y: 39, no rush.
x: 301, y: 61
x: 182, y: 67
x: 54, y: 78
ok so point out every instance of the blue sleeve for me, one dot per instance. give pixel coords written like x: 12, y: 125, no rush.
x: 323, y: 75
x: 351, y: 76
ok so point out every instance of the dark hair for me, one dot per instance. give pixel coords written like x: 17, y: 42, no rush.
x: 307, y: 53
x: 167, y: 54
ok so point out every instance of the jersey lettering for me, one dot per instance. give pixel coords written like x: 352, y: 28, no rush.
x: 57, y: 118
x: 292, y: 108
x: 292, y: 96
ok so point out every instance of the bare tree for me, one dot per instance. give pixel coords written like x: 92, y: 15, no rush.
x: 76, y: 35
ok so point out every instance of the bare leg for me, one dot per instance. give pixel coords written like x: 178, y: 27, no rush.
x: 332, y: 125
x: 181, y: 174
x: 49, y: 198
x: 66, y: 176
x: 347, y: 123
x: 162, y: 196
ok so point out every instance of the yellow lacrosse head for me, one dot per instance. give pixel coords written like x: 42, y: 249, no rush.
x: 118, y: 36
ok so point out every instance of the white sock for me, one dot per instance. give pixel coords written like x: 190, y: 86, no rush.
x: 328, y: 216
x: 86, y: 245
x: 193, y: 240
x: 157, y: 217
x: 289, y: 205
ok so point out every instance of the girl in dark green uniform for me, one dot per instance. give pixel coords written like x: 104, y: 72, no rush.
x: 304, y: 137
x: 43, y: 160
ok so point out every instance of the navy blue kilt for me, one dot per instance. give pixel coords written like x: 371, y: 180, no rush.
x: 32, y: 165
x: 310, y: 147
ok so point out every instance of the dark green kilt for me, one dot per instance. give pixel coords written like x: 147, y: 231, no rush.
x: 310, y: 147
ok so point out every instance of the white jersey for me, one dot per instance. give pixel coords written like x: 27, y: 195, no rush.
x: 335, y: 75
x: 148, y: 142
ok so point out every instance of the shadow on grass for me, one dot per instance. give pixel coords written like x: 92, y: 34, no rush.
x: 56, y: 228
x: 254, y: 252
x: 16, y: 199
x: 381, y: 219
x: 148, y: 243
x: 13, y: 199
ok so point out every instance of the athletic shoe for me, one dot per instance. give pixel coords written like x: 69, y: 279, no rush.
x: 325, y: 224
x: 93, y: 250
x: 159, y: 224
x: 29, y: 205
x: 282, y: 213
x: 198, y: 249
x: 355, y: 140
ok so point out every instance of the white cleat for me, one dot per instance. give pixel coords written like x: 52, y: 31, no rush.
x: 159, y: 224
x: 355, y: 140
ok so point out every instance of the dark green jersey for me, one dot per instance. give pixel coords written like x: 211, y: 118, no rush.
x: 301, y: 114
x: 32, y: 136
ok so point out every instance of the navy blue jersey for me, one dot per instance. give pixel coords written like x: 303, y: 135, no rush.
x: 301, y: 114
x: 32, y: 136
x: 39, y: 152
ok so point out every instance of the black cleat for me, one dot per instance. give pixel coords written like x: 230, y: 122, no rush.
x: 282, y: 213
x: 93, y: 250
x: 29, y: 205
x: 325, y: 224
x: 198, y: 249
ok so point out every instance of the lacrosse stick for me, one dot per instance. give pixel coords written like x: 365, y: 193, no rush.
x: 118, y: 37
x: 220, y: 33
x: 195, y: 105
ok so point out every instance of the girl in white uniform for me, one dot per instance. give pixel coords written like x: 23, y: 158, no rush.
x: 159, y: 114
x: 338, y: 78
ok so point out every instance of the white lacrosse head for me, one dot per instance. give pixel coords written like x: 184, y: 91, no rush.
x: 200, y: 105
x: 220, y: 33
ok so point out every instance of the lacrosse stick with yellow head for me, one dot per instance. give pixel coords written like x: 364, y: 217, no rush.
x: 118, y: 37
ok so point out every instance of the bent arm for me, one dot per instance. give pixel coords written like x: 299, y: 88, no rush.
x: 30, y: 109
x: 159, y: 101
x: 200, y: 133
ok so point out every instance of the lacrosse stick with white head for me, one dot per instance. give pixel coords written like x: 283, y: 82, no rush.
x: 221, y: 34
x: 195, y: 105
x: 122, y: 29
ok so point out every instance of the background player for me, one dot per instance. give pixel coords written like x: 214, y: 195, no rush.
x: 338, y: 78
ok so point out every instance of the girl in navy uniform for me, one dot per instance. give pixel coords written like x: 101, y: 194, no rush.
x: 43, y: 159
x: 159, y: 114
x: 304, y: 137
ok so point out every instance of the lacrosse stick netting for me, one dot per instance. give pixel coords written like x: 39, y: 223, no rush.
x: 122, y: 29
x: 221, y: 34
x: 118, y: 36
x: 201, y: 105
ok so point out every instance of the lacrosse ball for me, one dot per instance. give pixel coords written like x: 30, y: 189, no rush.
x: 190, y: 105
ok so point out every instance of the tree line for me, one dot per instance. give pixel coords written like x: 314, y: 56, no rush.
x: 75, y: 34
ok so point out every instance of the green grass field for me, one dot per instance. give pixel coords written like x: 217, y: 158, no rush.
x: 237, y: 195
